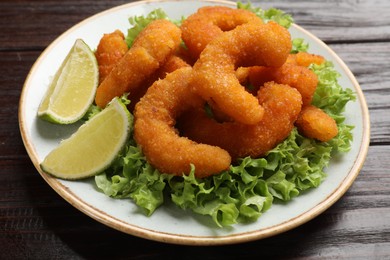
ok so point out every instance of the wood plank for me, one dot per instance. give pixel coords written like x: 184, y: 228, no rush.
x: 369, y: 62
x: 356, y: 20
x: 373, y: 182
x: 380, y: 126
x: 14, y: 67
x: 24, y: 24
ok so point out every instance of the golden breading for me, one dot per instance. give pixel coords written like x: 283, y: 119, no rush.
x: 249, y: 44
x: 173, y: 63
x: 299, y: 77
x: 111, y: 48
x: 315, y: 123
x: 159, y: 40
x: 305, y: 59
x: 282, y: 105
x: 209, y: 22
x: 155, y: 132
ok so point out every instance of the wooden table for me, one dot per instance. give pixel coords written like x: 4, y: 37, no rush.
x: 37, y: 223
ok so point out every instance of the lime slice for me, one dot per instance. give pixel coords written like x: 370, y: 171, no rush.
x: 93, y: 147
x: 73, y: 87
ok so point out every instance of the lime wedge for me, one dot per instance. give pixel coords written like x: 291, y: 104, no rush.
x: 73, y: 87
x: 93, y: 147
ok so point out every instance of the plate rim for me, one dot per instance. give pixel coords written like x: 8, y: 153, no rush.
x: 142, y: 232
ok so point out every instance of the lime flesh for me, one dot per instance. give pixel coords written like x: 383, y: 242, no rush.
x: 73, y: 88
x: 93, y: 147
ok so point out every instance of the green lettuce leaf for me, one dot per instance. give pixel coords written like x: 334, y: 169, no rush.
x: 130, y: 176
x: 271, y: 14
x: 92, y: 111
x: 332, y: 98
x: 227, y: 198
x: 299, y: 45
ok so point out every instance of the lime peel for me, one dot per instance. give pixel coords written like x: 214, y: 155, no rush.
x: 93, y: 147
x: 73, y: 88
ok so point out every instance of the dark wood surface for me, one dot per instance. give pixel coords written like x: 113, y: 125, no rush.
x: 36, y: 223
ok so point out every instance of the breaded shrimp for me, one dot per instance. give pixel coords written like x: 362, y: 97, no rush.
x: 282, y: 105
x: 111, y: 48
x: 315, y: 123
x: 151, y: 48
x: 249, y: 44
x: 155, y: 132
x: 173, y: 63
x: 299, y: 77
x: 305, y: 59
x: 209, y: 22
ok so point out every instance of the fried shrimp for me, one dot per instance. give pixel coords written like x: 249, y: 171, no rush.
x: 111, y: 48
x: 209, y: 22
x: 173, y: 63
x: 299, y: 77
x: 249, y: 44
x: 155, y: 132
x: 282, y: 105
x: 315, y: 123
x: 153, y: 45
x: 305, y: 59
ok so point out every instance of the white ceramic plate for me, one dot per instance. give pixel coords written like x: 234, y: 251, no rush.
x: 168, y: 223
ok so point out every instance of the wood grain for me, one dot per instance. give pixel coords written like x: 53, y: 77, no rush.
x: 339, y: 21
x: 36, y: 223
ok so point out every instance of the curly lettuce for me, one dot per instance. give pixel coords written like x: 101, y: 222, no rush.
x: 271, y: 14
x: 250, y: 187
